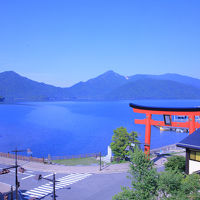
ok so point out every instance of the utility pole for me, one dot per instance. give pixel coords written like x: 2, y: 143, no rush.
x: 16, y: 176
x: 54, y: 187
x: 11, y: 193
x: 100, y: 161
x: 39, y: 177
x: 6, y: 170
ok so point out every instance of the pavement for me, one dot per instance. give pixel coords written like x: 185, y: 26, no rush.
x: 54, y: 168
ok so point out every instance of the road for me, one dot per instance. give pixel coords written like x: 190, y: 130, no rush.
x: 87, y: 183
x: 75, y: 186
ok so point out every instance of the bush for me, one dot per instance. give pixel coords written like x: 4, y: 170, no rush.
x: 175, y: 163
x: 148, y: 184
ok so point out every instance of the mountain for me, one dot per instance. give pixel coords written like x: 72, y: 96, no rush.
x: 96, y: 88
x: 169, y: 76
x: 148, y: 88
x: 107, y: 86
x: 14, y: 86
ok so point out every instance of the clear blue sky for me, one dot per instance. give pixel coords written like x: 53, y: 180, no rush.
x: 62, y: 42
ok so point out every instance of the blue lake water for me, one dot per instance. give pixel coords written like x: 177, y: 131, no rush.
x: 71, y: 128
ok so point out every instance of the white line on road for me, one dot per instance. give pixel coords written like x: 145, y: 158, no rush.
x: 48, y: 175
x: 46, y: 189
x: 30, y: 171
x: 27, y: 177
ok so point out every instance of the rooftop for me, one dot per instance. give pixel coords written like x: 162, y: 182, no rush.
x: 192, y: 141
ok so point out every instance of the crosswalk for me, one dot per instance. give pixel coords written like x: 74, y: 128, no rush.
x: 47, y: 189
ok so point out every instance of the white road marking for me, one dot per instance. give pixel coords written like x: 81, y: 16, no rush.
x: 48, y: 175
x: 30, y: 171
x: 27, y: 177
x: 47, y: 189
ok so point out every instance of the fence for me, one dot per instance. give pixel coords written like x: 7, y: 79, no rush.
x: 24, y: 158
x: 95, y: 155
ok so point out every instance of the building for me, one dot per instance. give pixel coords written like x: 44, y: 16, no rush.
x: 192, y: 145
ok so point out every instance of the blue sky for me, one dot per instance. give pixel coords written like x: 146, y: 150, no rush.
x: 66, y: 41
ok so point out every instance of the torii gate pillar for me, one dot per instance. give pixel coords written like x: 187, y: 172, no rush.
x: 148, y: 132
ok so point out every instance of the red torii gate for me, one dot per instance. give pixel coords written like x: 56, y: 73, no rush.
x: 191, y: 124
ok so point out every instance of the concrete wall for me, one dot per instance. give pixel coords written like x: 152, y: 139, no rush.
x: 193, y: 166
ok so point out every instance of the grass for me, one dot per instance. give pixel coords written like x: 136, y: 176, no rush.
x: 77, y: 161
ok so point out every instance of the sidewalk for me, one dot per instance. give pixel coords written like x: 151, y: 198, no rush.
x: 34, y: 166
x: 53, y: 168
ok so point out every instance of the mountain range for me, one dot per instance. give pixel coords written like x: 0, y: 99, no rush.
x: 107, y: 86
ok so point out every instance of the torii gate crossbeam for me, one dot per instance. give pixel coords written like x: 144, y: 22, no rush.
x: 191, y: 124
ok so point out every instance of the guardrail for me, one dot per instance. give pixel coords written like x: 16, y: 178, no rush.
x: 19, y: 157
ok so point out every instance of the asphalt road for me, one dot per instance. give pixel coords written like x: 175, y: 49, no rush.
x: 83, y: 186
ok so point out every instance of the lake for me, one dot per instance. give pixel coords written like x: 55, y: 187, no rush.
x: 71, y: 128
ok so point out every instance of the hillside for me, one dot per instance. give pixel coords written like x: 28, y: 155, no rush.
x: 14, y: 86
x: 107, y: 86
x: 98, y: 87
x: 169, y: 76
x: 154, y: 89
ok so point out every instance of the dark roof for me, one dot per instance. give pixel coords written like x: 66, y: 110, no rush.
x: 192, y: 141
x: 177, y: 109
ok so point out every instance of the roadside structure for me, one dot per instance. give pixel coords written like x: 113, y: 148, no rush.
x: 190, y: 115
x: 5, y: 190
x: 192, y: 145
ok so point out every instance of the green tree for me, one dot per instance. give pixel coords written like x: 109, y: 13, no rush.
x: 169, y: 184
x: 175, y: 163
x: 120, y: 141
x: 144, y: 179
x: 190, y: 186
x: 148, y: 184
x: 174, y: 186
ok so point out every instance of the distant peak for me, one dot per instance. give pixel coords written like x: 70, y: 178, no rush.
x: 9, y: 73
x: 110, y: 73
